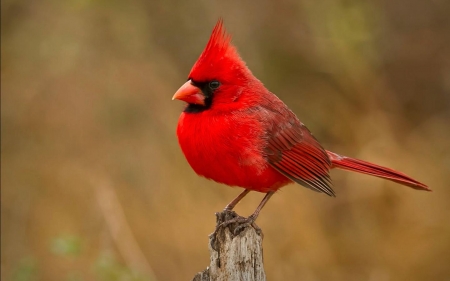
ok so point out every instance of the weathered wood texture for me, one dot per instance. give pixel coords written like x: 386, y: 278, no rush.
x: 234, y: 257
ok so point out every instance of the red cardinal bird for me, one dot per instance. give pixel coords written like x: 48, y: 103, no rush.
x: 235, y: 131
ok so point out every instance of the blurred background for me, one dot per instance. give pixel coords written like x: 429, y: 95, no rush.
x: 95, y: 187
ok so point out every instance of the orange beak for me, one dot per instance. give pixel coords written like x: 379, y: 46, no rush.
x: 190, y: 94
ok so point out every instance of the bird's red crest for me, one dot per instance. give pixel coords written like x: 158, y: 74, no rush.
x: 218, y: 57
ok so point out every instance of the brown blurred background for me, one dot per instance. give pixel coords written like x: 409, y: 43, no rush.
x: 95, y: 187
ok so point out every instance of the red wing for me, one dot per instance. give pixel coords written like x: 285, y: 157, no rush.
x: 294, y: 152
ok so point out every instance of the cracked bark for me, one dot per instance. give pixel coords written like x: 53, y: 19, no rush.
x: 234, y: 256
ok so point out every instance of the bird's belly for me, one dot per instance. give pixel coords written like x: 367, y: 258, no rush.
x: 257, y: 178
x: 234, y: 159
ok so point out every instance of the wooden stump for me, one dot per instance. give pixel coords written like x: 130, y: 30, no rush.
x: 234, y: 257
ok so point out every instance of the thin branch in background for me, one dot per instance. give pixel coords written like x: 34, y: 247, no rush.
x: 120, y: 230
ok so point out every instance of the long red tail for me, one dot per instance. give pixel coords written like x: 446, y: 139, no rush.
x: 359, y: 166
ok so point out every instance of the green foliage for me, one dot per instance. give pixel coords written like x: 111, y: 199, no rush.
x: 107, y: 268
x: 26, y: 270
x: 66, y: 246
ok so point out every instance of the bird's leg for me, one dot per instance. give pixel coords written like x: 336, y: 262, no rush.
x: 262, y: 204
x: 243, y: 222
x: 252, y: 218
x: 236, y: 200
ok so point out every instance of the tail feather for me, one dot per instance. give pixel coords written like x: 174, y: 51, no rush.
x: 359, y: 166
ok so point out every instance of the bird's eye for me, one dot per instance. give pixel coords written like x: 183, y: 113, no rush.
x: 214, y: 84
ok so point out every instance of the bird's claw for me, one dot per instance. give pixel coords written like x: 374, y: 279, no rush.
x: 234, y: 222
x: 242, y: 223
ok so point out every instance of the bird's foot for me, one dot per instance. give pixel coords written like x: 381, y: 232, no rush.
x: 235, y: 223
x: 241, y: 224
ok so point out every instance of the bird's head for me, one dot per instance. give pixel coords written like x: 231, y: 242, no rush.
x: 217, y: 77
